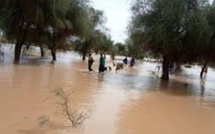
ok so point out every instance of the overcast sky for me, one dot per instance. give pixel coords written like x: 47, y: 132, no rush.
x: 117, y: 13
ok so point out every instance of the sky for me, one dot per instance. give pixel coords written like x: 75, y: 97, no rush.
x: 117, y: 14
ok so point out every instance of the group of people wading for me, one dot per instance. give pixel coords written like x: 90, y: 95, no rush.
x: 102, y: 61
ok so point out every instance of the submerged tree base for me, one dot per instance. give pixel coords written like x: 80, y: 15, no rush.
x: 204, y: 69
x: 165, y: 77
x: 18, y: 48
x: 165, y: 68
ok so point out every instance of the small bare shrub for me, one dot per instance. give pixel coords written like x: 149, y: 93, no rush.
x: 74, y: 116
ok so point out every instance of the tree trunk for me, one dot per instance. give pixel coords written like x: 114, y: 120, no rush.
x: 53, y: 52
x: 165, y: 69
x: 87, y: 47
x: 84, y: 56
x: 42, y: 51
x: 19, y: 44
x: 18, y: 48
x: 204, y: 69
x: 28, y: 46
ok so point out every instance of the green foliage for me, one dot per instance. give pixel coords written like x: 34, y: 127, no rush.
x: 96, y: 39
x: 97, y: 42
x: 49, y: 22
x: 120, y: 48
x: 134, y: 50
x: 178, y: 30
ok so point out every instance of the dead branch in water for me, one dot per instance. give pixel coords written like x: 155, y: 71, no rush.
x: 75, y: 117
x: 154, y: 74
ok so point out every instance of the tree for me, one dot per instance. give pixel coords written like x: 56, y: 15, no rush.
x: 121, y: 48
x: 169, y: 29
x: 207, y: 50
x: 95, y: 35
x: 98, y: 41
x: 134, y: 50
x: 199, y: 40
x: 51, y: 21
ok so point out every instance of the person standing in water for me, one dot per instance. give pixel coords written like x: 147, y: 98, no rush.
x: 90, y: 62
x: 125, y: 61
x: 132, y: 62
x: 102, y: 63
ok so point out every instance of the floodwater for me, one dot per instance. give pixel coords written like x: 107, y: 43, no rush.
x: 131, y: 101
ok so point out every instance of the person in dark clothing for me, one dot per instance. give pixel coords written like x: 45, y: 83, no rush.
x: 132, y: 62
x: 125, y: 61
x: 90, y: 62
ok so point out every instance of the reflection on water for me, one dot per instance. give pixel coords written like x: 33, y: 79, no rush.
x: 132, y: 101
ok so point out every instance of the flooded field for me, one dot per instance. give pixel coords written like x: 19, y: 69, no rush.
x: 132, y: 101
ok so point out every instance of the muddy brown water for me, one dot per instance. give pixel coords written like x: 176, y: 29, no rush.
x: 131, y: 101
